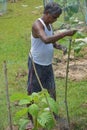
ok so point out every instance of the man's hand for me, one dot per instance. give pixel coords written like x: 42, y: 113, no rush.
x: 64, y: 49
x: 60, y: 47
x: 71, y: 32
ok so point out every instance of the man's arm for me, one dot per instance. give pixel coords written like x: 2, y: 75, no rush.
x: 38, y: 32
x: 60, y: 47
x: 57, y: 46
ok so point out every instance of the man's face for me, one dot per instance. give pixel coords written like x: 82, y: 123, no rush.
x: 53, y: 17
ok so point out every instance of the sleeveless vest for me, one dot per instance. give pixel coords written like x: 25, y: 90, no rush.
x: 41, y: 52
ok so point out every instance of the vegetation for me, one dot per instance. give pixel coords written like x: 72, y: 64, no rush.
x: 15, y: 30
x: 42, y: 108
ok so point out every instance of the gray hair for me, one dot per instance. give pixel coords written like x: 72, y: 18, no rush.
x: 53, y: 8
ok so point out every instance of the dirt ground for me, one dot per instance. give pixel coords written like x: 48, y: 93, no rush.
x: 77, y: 67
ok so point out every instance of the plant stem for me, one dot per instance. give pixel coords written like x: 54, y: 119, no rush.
x: 66, y: 81
x: 7, y: 96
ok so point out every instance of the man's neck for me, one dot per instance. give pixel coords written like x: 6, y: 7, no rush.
x: 45, y: 19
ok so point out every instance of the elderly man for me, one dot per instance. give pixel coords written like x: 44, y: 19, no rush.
x: 43, y: 42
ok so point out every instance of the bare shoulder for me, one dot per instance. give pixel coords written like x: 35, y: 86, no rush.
x: 36, y: 28
x: 37, y: 25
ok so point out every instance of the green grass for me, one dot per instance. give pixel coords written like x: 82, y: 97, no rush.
x: 15, y: 30
x: 77, y: 101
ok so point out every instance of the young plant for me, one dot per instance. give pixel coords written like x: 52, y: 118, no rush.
x: 42, y: 108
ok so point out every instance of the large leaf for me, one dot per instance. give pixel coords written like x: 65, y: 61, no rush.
x: 79, y: 34
x: 21, y: 112
x: 82, y: 44
x: 24, y: 102
x: 71, y: 8
x: 53, y: 105
x: 19, y: 96
x: 23, y: 123
x: 77, y: 49
x: 33, y: 110
x: 43, y: 93
x: 43, y: 103
x: 45, y: 118
x: 50, y: 124
x: 35, y: 97
x: 81, y: 40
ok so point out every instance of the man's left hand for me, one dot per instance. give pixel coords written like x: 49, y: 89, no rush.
x: 64, y: 49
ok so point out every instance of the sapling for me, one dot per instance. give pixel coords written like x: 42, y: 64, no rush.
x: 39, y: 109
x: 66, y: 83
x: 7, y: 96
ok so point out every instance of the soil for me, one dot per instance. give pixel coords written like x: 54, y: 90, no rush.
x: 77, y: 67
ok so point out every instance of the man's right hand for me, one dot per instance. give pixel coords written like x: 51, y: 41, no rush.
x: 71, y: 32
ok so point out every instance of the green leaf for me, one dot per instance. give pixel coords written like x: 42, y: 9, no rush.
x: 35, y: 97
x: 24, y: 102
x: 77, y: 49
x: 23, y: 123
x: 34, y: 129
x: 43, y: 92
x: 78, y: 34
x: 21, y: 113
x: 74, y: 8
x: 82, y: 44
x: 66, y: 18
x: 44, y: 100
x: 70, y: 9
x: 43, y: 103
x: 19, y: 96
x: 33, y: 110
x: 45, y: 119
x: 53, y: 105
x: 50, y: 124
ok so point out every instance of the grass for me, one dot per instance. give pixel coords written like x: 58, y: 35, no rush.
x: 15, y: 30
x: 77, y: 101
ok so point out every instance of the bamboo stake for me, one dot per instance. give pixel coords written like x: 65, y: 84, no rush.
x: 66, y: 82
x: 7, y: 96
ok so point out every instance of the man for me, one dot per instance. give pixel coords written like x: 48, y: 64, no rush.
x: 42, y: 43
x: 41, y: 53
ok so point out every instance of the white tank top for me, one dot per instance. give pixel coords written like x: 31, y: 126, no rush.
x: 41, y: 52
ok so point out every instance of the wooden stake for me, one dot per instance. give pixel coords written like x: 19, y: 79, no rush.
x: 66, y: 81
x: 7, y: 96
